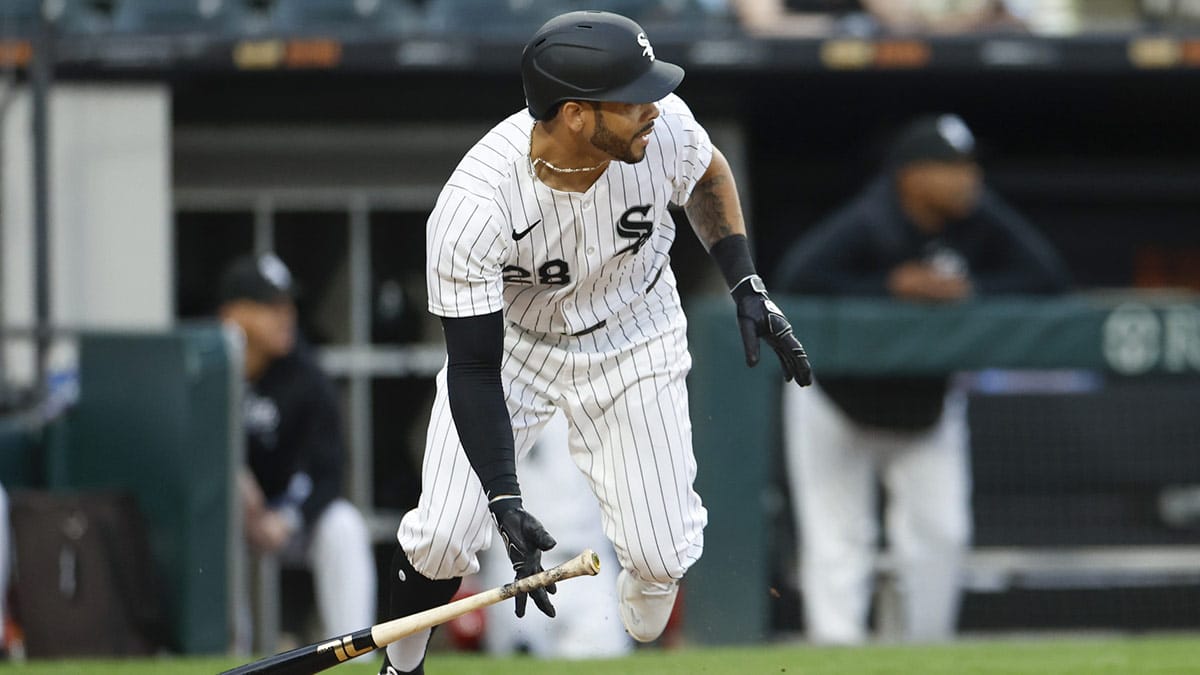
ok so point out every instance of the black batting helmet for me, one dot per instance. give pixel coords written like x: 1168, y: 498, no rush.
x: 593, y: 56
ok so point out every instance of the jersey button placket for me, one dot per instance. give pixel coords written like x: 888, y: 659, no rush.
x: 569, y: 315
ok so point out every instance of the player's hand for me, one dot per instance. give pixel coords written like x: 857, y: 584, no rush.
x: 269, y: 532
x: 524, y: 540
x: 759, y: 317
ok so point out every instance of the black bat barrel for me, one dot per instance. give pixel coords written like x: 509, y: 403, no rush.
x: 311, y: 658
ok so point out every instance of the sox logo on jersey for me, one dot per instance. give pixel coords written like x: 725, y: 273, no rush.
x: 637, y: 230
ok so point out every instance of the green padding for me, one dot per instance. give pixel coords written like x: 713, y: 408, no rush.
x: 1128, y: 333
x: 20, y: 441
x: 734, y: 413
x: 735, y: 409
x: 872, y: 337
x: 154, y: 418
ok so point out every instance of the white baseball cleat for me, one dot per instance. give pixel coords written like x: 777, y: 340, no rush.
x: 645, y: 606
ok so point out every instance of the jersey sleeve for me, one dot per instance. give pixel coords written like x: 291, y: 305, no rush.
x: 690, y: 144
x: 465, y: 253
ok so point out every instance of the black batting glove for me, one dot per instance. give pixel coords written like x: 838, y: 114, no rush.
x: 524, y: 540
x: 759, y: 317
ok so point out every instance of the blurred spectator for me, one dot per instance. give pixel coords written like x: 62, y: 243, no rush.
x: 810, y: 18
x: 818, y: 18
x: 926, y: 230
x: 1170, y: 14
x: 587, y: 625
x: 291, y: 494
x: 962, y: 16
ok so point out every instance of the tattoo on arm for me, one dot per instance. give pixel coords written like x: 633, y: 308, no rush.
x: 713, y: 209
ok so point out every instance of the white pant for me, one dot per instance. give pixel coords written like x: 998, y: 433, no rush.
x: 629, y: 433
x: 338, y: 551
x: 833, y: 466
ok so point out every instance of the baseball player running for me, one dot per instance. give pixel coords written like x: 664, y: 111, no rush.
x: 548, y: 262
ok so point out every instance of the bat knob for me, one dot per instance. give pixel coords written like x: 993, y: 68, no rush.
x: 593, y: 561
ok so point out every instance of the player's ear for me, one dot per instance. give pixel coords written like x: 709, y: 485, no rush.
x: 574, y: 114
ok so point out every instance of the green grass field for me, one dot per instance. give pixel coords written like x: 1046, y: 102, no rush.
x: 1176, y: 655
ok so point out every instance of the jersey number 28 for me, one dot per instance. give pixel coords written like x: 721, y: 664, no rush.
x: 551, y: 273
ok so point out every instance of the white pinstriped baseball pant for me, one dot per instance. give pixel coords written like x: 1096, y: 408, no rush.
x: 622, y: 388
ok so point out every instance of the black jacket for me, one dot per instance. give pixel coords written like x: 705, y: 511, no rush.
x: 294, y: 436
x: 851, y: 253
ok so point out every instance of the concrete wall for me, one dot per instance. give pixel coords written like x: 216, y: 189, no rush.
x: 110, y: 214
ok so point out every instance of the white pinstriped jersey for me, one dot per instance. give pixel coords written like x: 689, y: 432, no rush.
x: 559, y: 262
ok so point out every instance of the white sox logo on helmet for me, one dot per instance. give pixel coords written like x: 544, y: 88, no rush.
x: 644, y: 43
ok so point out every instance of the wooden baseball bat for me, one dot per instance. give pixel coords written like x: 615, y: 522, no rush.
x: 328, y: 653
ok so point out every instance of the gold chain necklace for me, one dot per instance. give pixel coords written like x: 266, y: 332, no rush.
x: 534, y: 161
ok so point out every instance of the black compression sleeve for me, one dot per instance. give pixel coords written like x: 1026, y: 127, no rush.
x: 732, y: 254
x: 474, y: 347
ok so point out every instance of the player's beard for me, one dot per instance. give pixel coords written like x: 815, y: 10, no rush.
x: 604, y: 139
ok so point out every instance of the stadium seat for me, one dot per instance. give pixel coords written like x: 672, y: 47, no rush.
x: 671, y: 15
x: 494, y: 17
x: 337, y: 16
x: 641, y: 10
x: 20, y: 17
x: 177, y: 16
x: 522, y: 17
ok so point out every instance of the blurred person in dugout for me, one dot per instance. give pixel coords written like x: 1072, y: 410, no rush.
x: 291, y: 494
x: 587, y: 625
x: 862, y: 18
x: 925, y: 230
